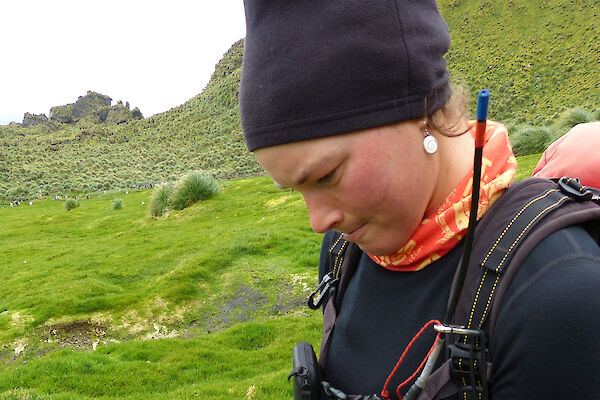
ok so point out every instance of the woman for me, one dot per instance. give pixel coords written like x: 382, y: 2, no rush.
x: 350, y: 104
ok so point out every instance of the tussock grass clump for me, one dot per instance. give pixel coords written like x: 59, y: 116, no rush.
x: 528, y: 139
x: 159, y: 203
x: 71, y: 204
x: 117, y: 204
x: 193, y: 187
x: 568, y: 119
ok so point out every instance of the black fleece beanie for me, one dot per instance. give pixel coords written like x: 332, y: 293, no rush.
x: 316, y: 68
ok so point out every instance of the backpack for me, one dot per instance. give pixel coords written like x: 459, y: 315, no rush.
x: 524, y: 215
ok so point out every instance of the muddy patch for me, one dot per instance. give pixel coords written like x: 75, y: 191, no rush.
x: 79, y: 335
x: 238, y: 308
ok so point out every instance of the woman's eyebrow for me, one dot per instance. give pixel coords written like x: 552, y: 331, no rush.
x: 305, y: 173
x: 309, y: 170
x: 302, y: 177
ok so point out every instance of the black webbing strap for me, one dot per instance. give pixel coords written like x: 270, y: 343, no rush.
x: 345, y: 264
x: 344, y: 260
x: 469, y: 354
x: 501, y: 252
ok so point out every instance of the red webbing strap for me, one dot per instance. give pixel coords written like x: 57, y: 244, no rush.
x: 384, y: 391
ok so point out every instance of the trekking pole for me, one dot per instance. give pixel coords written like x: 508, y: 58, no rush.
x: 482, y: 110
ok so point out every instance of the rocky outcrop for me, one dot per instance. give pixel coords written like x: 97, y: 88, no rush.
x: 119, y: 114
x: 95, y: 106
x: 91, y: 103
x: 137, y: 114
x: 33, y: 119
x: 63, y: 114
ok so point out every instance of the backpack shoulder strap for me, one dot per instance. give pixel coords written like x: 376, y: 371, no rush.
x: 343, y: 260
x: 577, y: 209
x: 524, y: 215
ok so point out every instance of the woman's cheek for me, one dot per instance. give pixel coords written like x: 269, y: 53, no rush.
x: 364, y: 189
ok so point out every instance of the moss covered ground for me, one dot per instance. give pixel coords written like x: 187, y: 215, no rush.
x: 205, y: 303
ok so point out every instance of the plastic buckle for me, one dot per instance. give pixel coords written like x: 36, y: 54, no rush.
x: 327, y: 284
x: 332, y: 393
x: 468, y: 364
x: 575, y: 189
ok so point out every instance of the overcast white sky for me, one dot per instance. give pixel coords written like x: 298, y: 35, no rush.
x: 154, y: 54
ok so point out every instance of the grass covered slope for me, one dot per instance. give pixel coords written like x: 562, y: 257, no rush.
x: 248, y: 361
x: 202, y: 134
x: 538, y: 58
x: 121, y: 274
x: 206, y: 303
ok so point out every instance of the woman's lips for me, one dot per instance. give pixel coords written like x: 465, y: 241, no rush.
x: 355, y: 234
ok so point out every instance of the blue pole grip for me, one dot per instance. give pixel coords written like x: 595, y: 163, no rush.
x: 482, y: 105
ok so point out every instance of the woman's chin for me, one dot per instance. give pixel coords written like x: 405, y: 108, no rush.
x: 375, y: 250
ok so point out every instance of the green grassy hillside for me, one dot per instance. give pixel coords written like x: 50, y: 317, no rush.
x: 204, y: 133
x: 230, y: 251
x: 204, y: 303
x: 538, y: 57
x: 110, y: 282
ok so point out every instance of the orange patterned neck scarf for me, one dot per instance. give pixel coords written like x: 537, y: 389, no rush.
x: 441, y: 231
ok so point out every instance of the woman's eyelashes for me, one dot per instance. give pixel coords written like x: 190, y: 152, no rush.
x: 327, y: 178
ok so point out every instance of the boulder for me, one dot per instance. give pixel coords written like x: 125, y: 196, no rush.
x: 137, y: 114
x: 118, y: 114
x: 91, y: 103
x: 103, y: 113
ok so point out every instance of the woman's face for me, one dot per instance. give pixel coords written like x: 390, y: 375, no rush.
x: 375, y: 186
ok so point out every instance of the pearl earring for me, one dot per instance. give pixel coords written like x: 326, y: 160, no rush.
x: 430, y: 143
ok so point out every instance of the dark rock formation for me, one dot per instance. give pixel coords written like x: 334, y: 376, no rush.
x: 103, y: 113
x: 91, y: 103
x: 118, y: 114
x: 94, y: 106
x: 63, y: 114
x: 33, y: 119
x: 137, y: 114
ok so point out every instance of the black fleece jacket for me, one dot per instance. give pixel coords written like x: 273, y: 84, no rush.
x: 545, y: 344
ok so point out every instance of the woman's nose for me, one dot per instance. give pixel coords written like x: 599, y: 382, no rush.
x: 324, y: 213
